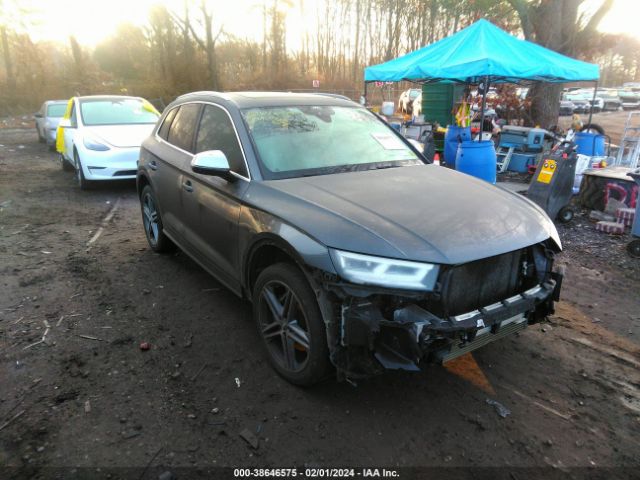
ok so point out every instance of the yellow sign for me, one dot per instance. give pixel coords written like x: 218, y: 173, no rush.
x: 547, y: 171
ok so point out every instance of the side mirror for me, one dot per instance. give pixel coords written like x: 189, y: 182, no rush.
x: 213, y: 163
x: 65, y: 123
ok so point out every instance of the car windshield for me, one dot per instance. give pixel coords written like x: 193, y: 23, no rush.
x: 315, y: 140
x: 121, y: 111
x: 577, y: 95
x: 56, y: 109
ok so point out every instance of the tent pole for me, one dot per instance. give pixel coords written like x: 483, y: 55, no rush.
x: 484, y: 103
x: 593, y: 101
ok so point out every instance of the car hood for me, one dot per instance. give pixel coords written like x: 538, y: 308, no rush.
x: 121, y: 135
x: 424, y: 213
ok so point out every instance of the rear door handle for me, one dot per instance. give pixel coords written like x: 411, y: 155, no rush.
x: 187, y: 186
x: 153, y: 165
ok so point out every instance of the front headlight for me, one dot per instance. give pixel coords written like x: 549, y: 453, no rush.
x: 93, y: 144
x: 385, y: 272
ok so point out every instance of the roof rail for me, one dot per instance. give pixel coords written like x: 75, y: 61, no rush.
x: 202, y: 92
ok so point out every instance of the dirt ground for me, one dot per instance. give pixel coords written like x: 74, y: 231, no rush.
x: 80, y: 399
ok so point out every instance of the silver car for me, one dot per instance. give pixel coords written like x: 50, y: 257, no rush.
x: 47, y: 119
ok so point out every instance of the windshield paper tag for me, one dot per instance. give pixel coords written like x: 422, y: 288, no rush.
x: 389, y: 141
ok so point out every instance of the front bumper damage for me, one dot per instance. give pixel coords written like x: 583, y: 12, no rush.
x: 371, y: 332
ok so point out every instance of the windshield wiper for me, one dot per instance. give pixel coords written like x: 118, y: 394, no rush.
x: 381, y: 167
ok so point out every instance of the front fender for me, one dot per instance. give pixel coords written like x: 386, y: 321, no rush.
x: 258, y: 228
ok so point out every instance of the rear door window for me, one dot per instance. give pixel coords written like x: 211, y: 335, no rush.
x: 163, y: 131
x: 183, y: 127
x: 216, y: 132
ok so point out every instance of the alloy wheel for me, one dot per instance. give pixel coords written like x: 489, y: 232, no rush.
x: 150, y: 219
x: 284, y: 327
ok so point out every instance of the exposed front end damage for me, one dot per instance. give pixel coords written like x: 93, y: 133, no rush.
x: 371, y: 329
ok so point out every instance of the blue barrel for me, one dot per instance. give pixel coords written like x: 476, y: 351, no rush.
x: 454, y: 136
x: 590, y: 144
x: 477, y: 159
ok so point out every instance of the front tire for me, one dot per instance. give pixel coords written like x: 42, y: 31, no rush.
x: 83, y: 183
x: 152, y: 222
x: 289, y: 321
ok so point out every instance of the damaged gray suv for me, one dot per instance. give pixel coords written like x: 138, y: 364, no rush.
x: 357, y: 253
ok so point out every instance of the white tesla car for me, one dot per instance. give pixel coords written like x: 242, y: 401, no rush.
x: 100, y: 136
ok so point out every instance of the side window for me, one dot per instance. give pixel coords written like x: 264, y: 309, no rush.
x: 163, y: 131
x: 74, y: 116
x: 183, y: 127
x: 216, y: 133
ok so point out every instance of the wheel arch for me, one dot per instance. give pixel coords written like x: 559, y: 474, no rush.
x: 267, y: 250
x: 142, y: 180
x: 290, y: 246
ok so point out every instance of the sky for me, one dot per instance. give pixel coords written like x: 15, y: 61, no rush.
x: 91, y: 21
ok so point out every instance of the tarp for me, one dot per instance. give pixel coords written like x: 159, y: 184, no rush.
x: 60, y: 130
x: 481, y: 50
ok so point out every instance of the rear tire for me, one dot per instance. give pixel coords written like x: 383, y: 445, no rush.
x: 289, y: 321
x: 152, y: 222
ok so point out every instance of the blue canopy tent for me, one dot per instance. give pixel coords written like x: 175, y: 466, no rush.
x: 479, y: 51
x: 482, y: 54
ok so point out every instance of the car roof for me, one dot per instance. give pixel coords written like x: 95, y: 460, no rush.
x: 267, y: 99
x: 52, y: 102
x: 105, y: 97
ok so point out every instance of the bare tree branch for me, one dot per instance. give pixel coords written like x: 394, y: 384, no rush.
x: 597, y: 17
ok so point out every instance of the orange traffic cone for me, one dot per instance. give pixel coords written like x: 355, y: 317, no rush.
x: 436, y: 159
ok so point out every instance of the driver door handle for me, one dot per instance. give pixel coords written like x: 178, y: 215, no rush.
x: 188, y: 187
x: 153, y: 165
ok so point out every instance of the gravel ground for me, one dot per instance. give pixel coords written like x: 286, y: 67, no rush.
x: 80, y: 399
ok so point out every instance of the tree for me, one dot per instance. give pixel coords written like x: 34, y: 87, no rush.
x: 208, y: 43
x: 161, y: 34
x: 277, y: 38
x: 11, y: 15
x: 125, y: 54
x: 557, y: 25
x: 8, y: 64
